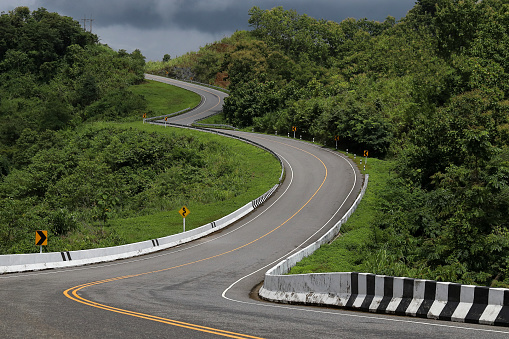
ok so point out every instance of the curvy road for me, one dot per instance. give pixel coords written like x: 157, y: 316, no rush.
x: 207, y: 288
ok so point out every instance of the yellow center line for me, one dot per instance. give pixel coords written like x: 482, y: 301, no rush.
x: 72, y: 293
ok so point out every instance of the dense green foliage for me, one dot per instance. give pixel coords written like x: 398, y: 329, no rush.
x: 96, y: 173
x: 91, y: 183
x: 54, y: 75
x: 430, y: 91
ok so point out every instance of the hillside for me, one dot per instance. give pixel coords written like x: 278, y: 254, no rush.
x: 77, y: 160
x: 429, y: 92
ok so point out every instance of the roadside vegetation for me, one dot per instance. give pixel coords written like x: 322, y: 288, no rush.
x: 428, y: 93
x: 76, y: 159
x: 163, y: 99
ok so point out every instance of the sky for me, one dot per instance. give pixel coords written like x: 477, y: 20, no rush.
x: 175, y: 27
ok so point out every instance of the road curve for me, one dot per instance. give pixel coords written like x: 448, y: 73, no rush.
x: 201, y: 289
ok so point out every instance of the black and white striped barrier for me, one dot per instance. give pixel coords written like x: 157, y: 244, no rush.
x: 259, y: 201
x: 66, y: 256
x: 393, y: 295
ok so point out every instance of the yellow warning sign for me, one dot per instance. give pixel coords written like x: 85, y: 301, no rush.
x: 41, y: 238
x: 184, y: 211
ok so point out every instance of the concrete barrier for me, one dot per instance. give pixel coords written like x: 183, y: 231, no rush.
x: 384, y: 294
x: 393, y: 295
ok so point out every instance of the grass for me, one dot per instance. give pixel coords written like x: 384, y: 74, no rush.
x: 217, y: 119
x: 264, y: 169
x: 164, y: 99
x: 345, y: 253
x: 264, y: 173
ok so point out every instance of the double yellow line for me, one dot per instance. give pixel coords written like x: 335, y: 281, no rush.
x: 72, y: 293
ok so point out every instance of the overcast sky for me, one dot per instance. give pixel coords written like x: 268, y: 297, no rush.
x: 158, y: 27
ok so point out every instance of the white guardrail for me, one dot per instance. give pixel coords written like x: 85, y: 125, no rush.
x: 39, y: 261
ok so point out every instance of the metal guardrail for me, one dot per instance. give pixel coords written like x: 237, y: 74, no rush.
x: 167, y: 115
x: 220, y: 126
x: 204, y: 128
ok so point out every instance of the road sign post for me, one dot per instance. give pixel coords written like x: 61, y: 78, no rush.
x: 165, y: 119
x: 294, y: 129
x: 336, y: 138
x: 184, y: 211
x: 41, y: 239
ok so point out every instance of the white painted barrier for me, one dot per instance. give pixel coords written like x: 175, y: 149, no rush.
x: 39, y: 261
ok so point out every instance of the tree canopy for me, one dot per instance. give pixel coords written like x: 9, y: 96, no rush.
x: 54, y: 74
x: 429, y: 90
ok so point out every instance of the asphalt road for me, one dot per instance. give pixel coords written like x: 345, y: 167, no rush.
x: 202, y: 289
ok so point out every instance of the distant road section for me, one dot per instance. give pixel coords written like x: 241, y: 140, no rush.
x: 212, y: 100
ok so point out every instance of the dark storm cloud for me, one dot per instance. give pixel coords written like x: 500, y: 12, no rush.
x: 215, y: 16
x: 157, y: 27
x: 235, y: 16
x: 337, y: 11
x: 141, y: 14
x: 203, y: 15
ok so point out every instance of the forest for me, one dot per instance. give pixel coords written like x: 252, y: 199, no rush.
x: 55, y: 77
x: 428, y: 92
x: 76, y: 159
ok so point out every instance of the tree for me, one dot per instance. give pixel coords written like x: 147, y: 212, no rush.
x: 456, y: 25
